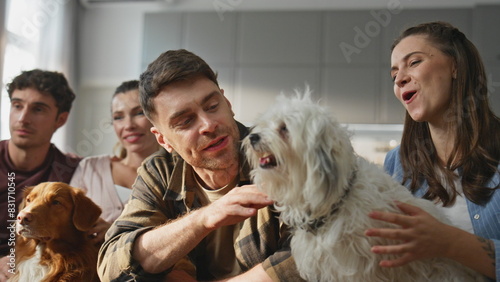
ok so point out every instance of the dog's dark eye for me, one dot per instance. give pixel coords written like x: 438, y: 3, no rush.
x: 55, y: 202
x: 283, y: 130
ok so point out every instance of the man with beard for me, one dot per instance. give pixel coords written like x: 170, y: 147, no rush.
x: 193, y: 213
x: 40, y: 104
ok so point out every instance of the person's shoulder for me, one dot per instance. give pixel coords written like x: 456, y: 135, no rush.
x: 160, y: 155
x: 3, y: 145
x: 494, y: 181
x: 391, y: 160
x: 155, y: 172
x: 160, y: 160
x: 4, y: 153
x: 93, y: 160
x: 393, y: 154
x: 68, y: 159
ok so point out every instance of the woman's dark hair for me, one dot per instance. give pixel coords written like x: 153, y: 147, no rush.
x: 476, y: 151
x: 127, y: 86
x: 46, y: 82
x: 169, y: 67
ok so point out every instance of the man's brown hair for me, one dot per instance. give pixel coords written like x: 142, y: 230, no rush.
x: 46, y: 82
x: 169, y: 67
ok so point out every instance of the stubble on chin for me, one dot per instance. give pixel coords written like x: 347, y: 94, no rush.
x: 226, y: 158
x: 21, y: 143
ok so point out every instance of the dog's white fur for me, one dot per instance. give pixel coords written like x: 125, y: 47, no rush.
x: 31, y: 269
x: 303, y: 159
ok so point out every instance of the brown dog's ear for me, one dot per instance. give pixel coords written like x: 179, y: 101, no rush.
x: 86, y: 212
x: 26, y: 192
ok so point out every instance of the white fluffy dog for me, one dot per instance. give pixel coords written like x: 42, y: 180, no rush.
x: 303, y: 159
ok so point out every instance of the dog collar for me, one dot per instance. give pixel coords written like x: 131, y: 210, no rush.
x: 317, y: 223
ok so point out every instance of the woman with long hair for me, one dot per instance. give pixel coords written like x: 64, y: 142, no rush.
x: 108, y: 179
x: 449, y: 152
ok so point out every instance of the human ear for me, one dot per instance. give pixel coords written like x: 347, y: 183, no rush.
x: 61, y: 119
x: 227, y: 101
x: 161, y: 139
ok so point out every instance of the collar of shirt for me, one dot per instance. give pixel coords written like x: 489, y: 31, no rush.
x: 184, y: 184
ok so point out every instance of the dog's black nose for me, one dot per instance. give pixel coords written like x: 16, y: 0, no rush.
x: 254, y: 138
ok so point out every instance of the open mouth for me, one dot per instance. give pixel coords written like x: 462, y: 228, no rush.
x: 408, y: 95
x: 24, y: 232
x: 217, y: 145
x: 268, y: 161
x: 132, y: 137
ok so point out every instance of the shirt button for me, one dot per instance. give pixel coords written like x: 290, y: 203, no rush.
x: 476, y: 216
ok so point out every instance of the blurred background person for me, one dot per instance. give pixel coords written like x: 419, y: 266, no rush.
x: 40, y: 102
x: 108, y: 178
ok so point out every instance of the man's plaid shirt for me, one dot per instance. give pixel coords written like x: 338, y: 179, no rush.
x: 165, y: 190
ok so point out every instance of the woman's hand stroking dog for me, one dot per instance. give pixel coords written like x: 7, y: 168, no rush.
x: 423, y: 237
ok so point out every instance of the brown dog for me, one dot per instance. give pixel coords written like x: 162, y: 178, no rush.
x: 53, y: 244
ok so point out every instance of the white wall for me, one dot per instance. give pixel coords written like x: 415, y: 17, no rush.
x: 110, y: 43
x: 110, y: 51
x: 110, y: 46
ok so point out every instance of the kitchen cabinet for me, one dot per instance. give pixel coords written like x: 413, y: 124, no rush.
x: 487, y: 42
x: 279, y: 38
x: 485, y: 34
x: 210, y: 38
x: 343, y: 55
x: 257, y: 87
x: 349, y: 92
x: 162, y: 32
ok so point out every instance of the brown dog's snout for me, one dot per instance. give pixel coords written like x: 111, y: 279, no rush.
x: 254, y: 138
x: 24, y: 217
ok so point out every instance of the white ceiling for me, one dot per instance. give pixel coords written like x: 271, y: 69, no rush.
x: 243, y: 5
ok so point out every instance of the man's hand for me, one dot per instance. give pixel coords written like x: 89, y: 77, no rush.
x: 160, y: 248
x: 237, y: 205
